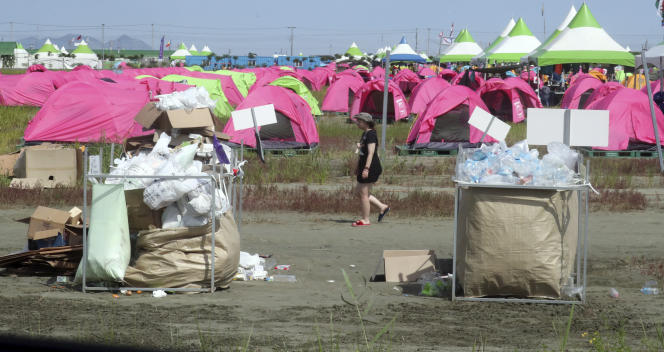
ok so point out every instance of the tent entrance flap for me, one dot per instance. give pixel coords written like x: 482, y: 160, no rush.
x: 374, y: 105
x: 452, y: 126
x: 282, y: 130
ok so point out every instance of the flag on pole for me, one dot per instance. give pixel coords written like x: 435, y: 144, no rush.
x: 79, y: 37
x: 659, y: 5
x: 168, y: 45
x: 161, y: 48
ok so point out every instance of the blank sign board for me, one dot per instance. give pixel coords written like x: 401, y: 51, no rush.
x: 265, y: 115
x: 582, y: 128
x: 493, y: 126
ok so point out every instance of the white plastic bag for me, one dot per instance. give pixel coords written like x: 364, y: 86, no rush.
x: 171, y: 217
x: 192, y: 98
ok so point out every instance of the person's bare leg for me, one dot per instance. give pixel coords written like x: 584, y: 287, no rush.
x: 377, y: 203
x: 363, y: 189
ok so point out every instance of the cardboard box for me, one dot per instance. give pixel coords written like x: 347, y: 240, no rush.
x: 50, y: 166
x: 47, y: 222
x: 408, y: 265
x: 7, y: 163
x: 74, y: 216
x: 200, y: 121
x: 140, y: 216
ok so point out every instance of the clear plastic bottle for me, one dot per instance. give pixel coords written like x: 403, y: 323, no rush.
x: 283, y: 278
x: 650, y: 291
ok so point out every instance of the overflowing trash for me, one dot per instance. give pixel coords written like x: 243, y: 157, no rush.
x: 435, y: 285
x: 192, y: 98
x: 518, y: 165
x: 254, y: 267
x: 650, y: 288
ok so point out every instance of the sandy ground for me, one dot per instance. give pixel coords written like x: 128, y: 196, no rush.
x: 292, y: 316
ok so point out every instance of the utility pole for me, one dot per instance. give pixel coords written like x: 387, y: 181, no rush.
x: 292, y: 29
x: 11, y: 30
x: 102, y: 43
x: 416, y: 30
x: 428, y: 39
x: 152, y: 36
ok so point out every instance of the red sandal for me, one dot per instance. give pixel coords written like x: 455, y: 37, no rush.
x: 359, y: 223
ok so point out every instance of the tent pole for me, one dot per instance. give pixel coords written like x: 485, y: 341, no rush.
x: 661, y: 76
x: 385, y: 97
x: 652, y: 110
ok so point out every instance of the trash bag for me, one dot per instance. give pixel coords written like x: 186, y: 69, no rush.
x: 109, y: 248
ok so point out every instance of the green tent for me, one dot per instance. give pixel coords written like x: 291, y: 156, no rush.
x: 243, y: 80
x: 213, y: 87
x: 300, y: 89
x: 195, y: 68
x: 583, y: 41
x: 180, y: 53
x: 144, y: 76
x: 354, y: 51
x: 517, y: 44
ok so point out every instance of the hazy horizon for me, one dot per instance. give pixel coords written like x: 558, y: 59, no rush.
x: 328, y: 28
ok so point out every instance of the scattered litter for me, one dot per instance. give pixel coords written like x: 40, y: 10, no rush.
x: 159, y: 294
x: 252, y: 267
x: 614, y: 293
x: 282, y: 267
x: 282, y: 278
x: 126, y: 292
x: 62, y: 279
x: 397, y: 288
x: 330, y: 281
x: 116, y: 296
x: 352, y: 265
x: 139, y: 292
x: 435, y: 285
x: 192, y: 98
x: 650, y: 288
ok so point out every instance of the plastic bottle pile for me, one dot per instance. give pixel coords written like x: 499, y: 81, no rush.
x: 518, y: 165
x: 187, y: 202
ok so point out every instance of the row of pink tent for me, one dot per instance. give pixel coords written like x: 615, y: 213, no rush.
x: 630, y: 120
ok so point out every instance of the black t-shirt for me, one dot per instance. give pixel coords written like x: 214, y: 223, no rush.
x: 375, y: 169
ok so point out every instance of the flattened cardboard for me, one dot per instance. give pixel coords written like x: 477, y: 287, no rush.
x: 408, y: 265
x: 139, y: 215
x: 46, y: 222
x: 74, y: 216
x: 150, y: 117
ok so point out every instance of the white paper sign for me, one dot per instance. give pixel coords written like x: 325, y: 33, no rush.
x: 481, y: 120
x: 583, y: 128
x: 265, y: 115
x: 94, y: 164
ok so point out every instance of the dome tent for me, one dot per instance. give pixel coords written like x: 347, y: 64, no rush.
x: 299, y: 88
x: 425, y: 92
x: 444, y: 123
x: 576, y: 96
x: 369, y: 99
x: 518, y: 43
x: 583, y: 41
x: 509, y: 99
x: 180, y: 53
x: 629, y: 118
x: 295, y: 127
x: 405, y: 53
x: 340, y: 93
x: 407, y: 80
x: 463, y: 49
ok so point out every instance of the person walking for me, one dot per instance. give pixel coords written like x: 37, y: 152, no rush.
x: 368, y: 169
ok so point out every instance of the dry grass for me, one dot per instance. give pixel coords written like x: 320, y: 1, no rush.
x: 13, y: 120
x: 55, y: 197
x: 618, y: 200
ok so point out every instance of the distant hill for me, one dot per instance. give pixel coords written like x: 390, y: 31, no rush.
x: 122, y: 42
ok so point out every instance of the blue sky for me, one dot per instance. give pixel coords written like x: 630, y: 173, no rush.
x: 322, y: 26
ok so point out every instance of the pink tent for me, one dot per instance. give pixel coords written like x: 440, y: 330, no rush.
x: 369, y: 99
x: 295, y: 127
x: 629, y: 118
x: 579, y: 75
x: 316, y: 78
x: 270, y: 75
x: 444, y: 123
x: 339, y: 94
x: 89, y: 112
x: 602, y: 91
x: 8, y: 84
x: 508, y: 99
x: 531, y: 77
x: 424, y: 93
x: 407, y: 80
x: 227, y: 85
x: 378, y: 73
x: 29, y: 89
x: 347, y: 72
x: 654, y: 86
x: 447, y: 74
x: 470, y: 79
x: 426, y: 72
x: 576, y: 96
x: 36, y: 68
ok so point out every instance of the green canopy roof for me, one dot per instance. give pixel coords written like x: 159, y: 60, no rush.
x: 213, y: 87
x: 506, y: 31
x: 48, y: 48
x: 583, y: 41
x: 300, y: 89
x: 83, y: 48
x: 194, y: 68
x: 354, y: 51
x: 464, y: 36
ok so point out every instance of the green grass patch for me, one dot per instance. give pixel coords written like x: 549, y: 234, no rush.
x: 13, y: 120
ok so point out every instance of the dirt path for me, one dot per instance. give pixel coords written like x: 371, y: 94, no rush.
x: 285, y: 316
